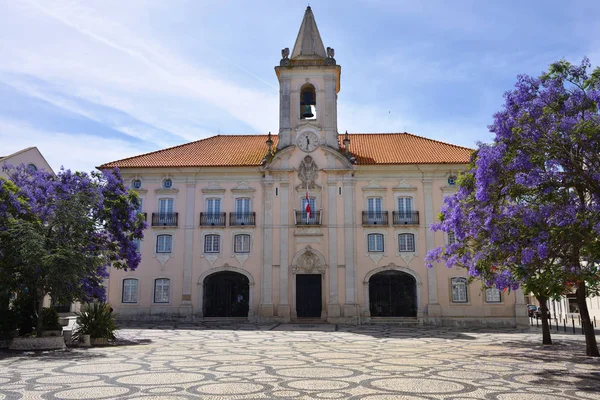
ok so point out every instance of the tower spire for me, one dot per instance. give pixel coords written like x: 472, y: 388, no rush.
x: 308, y: 43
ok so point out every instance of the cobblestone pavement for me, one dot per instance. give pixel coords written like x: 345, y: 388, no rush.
x: 245, y: 361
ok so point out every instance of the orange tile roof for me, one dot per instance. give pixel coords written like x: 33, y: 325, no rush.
x: 250, y: 150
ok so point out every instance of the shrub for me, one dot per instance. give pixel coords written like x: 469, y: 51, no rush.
x: 96, y: 320
x: 50, y: 320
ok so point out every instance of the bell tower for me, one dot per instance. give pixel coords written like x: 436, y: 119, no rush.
x: 309, y: 81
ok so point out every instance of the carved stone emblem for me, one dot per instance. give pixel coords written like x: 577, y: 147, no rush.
x: 309, y: 262
x: 308, y: 171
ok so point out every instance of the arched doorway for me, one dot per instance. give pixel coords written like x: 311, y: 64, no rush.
x: 226, y: 294
x: 392, y: 294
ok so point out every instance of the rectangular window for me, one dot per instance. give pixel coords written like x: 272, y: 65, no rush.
x: 213, y: 206
x: 130, y: 291
x: 165, y: 206
x: 313, y: 204
x: 164, y: 243
x: 137, y: 243
x: 212, y: 244
x: 451, y: 238
x: 374, y: 204
x: 162, y: 288
x: 405, y: 205
x: 459, y: 290
x: 241, y: 244
x: 242, y: 206
x: 406, y: 242
x: 375, y: 241
x: 492, y: 295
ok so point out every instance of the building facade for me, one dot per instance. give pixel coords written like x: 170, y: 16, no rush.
x: 306, y: 224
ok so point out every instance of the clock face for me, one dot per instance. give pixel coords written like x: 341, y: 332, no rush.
x: 307, y: 141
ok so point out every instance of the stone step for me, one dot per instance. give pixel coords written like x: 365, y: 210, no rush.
x: 402, y: 321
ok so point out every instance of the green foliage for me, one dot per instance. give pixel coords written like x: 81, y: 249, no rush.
x: 97, y: 320
x: 8, y: 317
x: 50, y: 320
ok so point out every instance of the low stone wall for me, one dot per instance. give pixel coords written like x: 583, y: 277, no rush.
x: 37, y: 343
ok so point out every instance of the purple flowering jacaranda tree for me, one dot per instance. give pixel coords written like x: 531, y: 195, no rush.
x: 527, y: 211
x: 59, y: 235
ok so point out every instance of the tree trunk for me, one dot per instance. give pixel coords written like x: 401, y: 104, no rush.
x: 591, y: 346
x: 39, y: 326
x: 546, y: 338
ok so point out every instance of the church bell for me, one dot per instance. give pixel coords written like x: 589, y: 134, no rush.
x: 307, y: 111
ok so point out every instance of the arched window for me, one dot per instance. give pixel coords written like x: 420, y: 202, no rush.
x: 375, y: 241
x: 451, y: 238
x: 212, y: 244
x: 130, y: 291
x: 308, y: 102
x: 31, y: 168
x: 406, y: 242
x: 459, y: 290
x: 162, y: 290
x: 164, y: 243
x: 241, y: 244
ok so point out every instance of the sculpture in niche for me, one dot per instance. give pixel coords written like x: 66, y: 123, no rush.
x: 308, y: 171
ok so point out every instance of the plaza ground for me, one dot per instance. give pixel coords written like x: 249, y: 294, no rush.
x: 246, y: 361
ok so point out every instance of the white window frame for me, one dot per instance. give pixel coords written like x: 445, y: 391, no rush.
x: 218, y: 243
x: 137, y: 291
x: 158, y: 238
x: 450, y: 238
x: 459, y: 296
x: 138, y: 245
x: 160, y: 295
x: 407, y: 249
x: 235, y: 247
x: 493, y: 295
x: 376, y: 248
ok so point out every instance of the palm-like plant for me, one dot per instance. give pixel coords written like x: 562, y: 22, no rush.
x: 97, y: 320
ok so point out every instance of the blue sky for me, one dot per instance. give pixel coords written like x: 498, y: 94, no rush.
x: 94, y: 81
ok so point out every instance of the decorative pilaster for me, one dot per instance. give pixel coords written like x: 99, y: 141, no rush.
x: 283, y: 309
x: 433, y: 308
x: 266, y: 303
x: 330, y: 117
x: 285, y: 90
x: 350, y: 307
x: 188, y: 249
x: 333, y: 306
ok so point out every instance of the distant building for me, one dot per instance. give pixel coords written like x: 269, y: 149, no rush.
x: 31, y: 157
x: 308, y: 224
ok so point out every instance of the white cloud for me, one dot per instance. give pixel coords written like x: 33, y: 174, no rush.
x: 87, y: 55
x: 79, y: 152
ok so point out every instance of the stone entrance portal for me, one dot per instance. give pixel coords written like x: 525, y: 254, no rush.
x: 308, y: 296
x: 392, y: 294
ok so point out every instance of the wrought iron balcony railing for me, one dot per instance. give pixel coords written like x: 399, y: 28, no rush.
x: 212, y: 219
x: 242, y: 219
x: 164, y: 219
x: 303, y: 219
x: 375, y: 218
x: 405, y: 218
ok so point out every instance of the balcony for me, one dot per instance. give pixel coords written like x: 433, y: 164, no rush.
x: 375, y: 218
x: 302, y: 219
x: 164, y: 219
x: 405, y: 218
x: 212, y: 219
x: 242, y: 219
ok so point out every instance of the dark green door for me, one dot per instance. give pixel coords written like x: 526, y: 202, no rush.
x: 308, y: 295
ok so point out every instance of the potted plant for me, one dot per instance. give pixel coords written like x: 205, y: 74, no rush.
x: 96, y: 320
